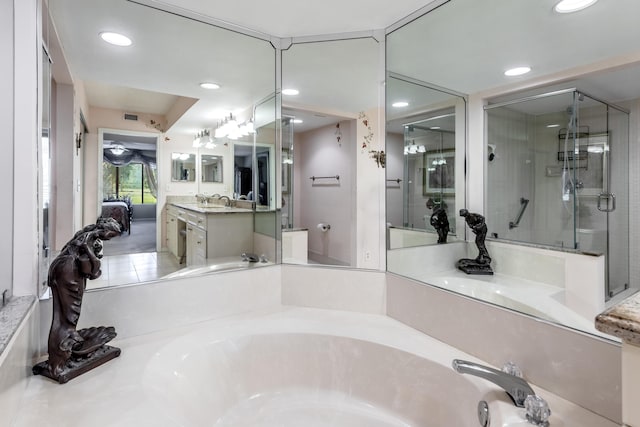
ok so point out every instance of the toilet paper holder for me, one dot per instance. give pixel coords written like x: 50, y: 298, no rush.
x: 324, y: 227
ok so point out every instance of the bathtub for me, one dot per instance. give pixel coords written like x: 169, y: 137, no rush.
x: 305, y: 379
x: 284, y: 367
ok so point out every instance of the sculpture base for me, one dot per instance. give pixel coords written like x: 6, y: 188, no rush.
x: 471, y: 266
x: 75, y: 368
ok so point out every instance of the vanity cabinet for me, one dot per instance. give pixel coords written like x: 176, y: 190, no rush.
x: 208, y: 234
x: 175, y: 239
x: 196, y: 238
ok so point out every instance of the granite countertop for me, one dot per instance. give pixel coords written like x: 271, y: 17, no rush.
x: 214, y: 209
x: 11, y: 316
x: 622, y: 320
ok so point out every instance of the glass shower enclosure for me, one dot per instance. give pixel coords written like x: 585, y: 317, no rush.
x: 557, y: 176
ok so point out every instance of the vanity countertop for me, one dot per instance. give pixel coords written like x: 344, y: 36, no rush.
x: 622, y: 320
x: 211, y: 209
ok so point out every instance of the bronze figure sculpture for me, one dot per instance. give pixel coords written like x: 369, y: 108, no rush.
x: 73, y: 352
x: 439, y: 219
x: 482, y: 263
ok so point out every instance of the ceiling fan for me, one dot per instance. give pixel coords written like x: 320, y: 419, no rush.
x: 115, y: 148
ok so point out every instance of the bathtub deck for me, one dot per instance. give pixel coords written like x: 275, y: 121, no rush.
x: 118, y: 393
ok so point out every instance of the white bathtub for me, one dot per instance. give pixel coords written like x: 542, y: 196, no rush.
x: 305, y: 380
x: 284, y: 367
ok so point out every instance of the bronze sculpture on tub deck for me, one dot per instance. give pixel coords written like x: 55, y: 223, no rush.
x: 72, y: 352
x: 482, y: 263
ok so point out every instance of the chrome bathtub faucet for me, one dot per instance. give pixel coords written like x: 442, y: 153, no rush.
x: 517, y: 388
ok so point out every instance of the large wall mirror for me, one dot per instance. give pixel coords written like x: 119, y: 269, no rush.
x: 536, y: 143
x: 184, y: 93
x: 329, y: 90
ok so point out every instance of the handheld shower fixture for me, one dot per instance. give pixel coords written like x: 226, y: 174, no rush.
x: 492, y: 151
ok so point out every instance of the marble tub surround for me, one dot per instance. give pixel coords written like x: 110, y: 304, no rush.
x: 138, y: 310
x: 138, y: 389
x: 18, y: 355
x: 622, y: 320
x: 11, y: 316
x: 578, y: 367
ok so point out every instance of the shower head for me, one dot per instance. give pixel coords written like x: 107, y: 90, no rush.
x: 492, y: 151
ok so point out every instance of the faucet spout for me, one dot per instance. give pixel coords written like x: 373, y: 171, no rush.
x: 517, y: 388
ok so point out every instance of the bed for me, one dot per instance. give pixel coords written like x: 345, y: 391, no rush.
x: 119, y: 210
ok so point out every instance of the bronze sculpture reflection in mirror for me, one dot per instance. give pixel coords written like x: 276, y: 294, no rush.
x: 439, y: 219
x: 72, y: 352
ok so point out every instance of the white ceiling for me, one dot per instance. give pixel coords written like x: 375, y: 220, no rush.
x: 463, y: 45
x: 295, y: 18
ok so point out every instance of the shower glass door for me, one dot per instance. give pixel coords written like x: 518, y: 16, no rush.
x: 602, y: 187
x: 557, y: 176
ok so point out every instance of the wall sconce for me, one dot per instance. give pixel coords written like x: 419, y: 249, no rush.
x: 203, y: 139
x: 413, y: 148
x: 380, y: 157
x: 230, y: 128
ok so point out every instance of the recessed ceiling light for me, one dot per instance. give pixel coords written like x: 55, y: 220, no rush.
x: 400, y: 104
x: 208, y: 85
x: 298, y: 121
x: 568, y: 6
x: 517, y: 71
x: 555, y: 125
x: 115, y: 38
x: 290, y: 92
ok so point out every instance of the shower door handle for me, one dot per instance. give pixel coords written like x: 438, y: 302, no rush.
x: 607, y: 197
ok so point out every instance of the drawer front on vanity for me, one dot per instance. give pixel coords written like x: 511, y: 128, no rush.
x: 200, y: 247
x: 197, y: 219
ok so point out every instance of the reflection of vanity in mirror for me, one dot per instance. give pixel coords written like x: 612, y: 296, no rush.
x: 186, y: 222
x: 195, y: 231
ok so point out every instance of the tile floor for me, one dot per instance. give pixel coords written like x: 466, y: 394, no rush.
x: 134, y: 268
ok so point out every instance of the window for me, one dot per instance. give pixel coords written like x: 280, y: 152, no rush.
x: 130, y: 180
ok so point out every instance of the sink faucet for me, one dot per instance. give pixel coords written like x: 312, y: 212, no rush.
x: 517, y: 388
x: 227, y: 202
x: 202, y: 198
